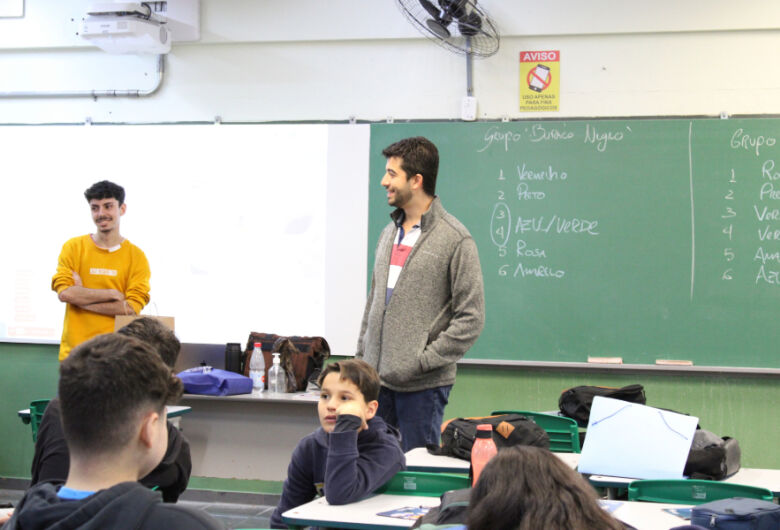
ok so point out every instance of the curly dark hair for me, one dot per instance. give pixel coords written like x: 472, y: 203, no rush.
x: 105, y: 190
x: 155, y: 334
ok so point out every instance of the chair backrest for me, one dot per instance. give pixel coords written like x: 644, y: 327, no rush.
x: 684, y: 491
x: 564, y: 432
x: 424, y: 484
x: 37, y: 408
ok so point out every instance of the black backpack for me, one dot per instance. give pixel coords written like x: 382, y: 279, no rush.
x: 575, y: 402
x: 712, y: 457
x: 458, y: 435
x: 452, y: 510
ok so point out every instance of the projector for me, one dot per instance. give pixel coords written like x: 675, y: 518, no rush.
x: 125, y: 27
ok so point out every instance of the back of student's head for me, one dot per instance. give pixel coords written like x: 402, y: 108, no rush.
x: 155, y: 334
x: 105, y: 190
x: 525, y: 488
x: 106, y: 386
x: 358, y: 372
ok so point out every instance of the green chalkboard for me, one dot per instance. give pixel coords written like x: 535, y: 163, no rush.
x: 642, y: 239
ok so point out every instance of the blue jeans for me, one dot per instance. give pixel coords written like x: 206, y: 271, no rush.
x: 418, y: 415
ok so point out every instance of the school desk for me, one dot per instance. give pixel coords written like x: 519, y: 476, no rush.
x: 648, y: 515
x: 363, y: 514
x: 248, y: 436
x: 174, y: 411
x: 357, y: 515
x: 419, y: 459
x: 761, y: 478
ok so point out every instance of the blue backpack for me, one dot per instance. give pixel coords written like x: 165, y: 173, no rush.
x: 214, y: 382
x: 736, y: 514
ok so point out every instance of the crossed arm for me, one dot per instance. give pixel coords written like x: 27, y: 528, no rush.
x: 103, y: 301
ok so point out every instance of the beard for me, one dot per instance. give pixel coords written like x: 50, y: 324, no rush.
x: 400, y: 198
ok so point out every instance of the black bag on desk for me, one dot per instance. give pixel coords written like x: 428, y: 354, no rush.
x: 712, y: 457
x: 575, y: 402
x: 457, y: 436
x: 452, y: 510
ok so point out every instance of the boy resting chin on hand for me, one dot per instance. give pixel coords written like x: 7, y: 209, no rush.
x: 353, y: 453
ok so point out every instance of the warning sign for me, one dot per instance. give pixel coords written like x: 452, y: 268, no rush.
x: 540, y: 81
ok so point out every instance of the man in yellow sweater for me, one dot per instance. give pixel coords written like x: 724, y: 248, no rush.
x: 100, y: 275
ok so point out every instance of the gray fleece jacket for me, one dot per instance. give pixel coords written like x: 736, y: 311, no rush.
x: 437, y: 309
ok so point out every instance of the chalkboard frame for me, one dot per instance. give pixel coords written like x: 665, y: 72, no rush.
x: 378, y: 210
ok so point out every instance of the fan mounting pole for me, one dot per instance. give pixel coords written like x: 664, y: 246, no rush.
x: 469, y: 75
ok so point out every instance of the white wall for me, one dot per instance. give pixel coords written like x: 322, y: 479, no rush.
x: 281, y: 60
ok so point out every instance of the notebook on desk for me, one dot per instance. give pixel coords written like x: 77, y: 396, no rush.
x: 636, y: 441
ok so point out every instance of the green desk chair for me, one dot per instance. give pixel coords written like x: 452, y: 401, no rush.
x: 564, y: 432
x: 36, y: 413
x: 423, y: 484
x: 684, y: 491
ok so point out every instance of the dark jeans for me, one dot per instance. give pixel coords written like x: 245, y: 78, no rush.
x: 417, y: 415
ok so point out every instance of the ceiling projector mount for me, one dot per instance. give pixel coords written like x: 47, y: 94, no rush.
x: 126, y: 27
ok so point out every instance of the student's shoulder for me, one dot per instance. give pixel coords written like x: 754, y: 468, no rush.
x: 132, y: 247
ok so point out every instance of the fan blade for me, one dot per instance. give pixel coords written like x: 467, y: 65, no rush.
x: 439, y: 29
x: 470, y: 25
x: 430, y: 8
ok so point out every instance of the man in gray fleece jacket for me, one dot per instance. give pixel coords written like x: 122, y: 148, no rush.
x: 427, y: 305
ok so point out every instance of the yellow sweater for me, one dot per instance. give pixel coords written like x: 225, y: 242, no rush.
x: 125, y: 269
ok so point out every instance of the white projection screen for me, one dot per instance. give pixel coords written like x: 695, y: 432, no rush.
x: 246, y: 227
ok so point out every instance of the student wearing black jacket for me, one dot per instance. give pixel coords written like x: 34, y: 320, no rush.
x: 51, y: 459
x: 113, y: 390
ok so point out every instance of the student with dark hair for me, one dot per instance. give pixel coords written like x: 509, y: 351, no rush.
x: 52, y: 460
x: 100, y: 275
x: 153, y: 332
x: 353, y: 453
x: 113, y: 391
x: 529, y: 488
x: 426, y: 306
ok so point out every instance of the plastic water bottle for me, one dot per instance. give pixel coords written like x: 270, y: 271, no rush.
x: 257, y: 368
x: 482, y: 451
x: 277, y: 379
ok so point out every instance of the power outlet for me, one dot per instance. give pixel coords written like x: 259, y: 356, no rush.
x: 468, y: 108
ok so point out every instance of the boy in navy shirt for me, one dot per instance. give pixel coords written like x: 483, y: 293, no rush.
x: 353, y: 453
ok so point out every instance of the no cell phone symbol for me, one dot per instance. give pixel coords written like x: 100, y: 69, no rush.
x: 539, y: 78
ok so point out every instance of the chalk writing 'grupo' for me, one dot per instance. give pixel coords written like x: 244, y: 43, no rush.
x: 742, y: 140
x: 494, y: 135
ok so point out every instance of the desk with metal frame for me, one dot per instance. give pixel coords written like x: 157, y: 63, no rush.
x: 362, y: 515
x: 761, y: 478
x: 419, y: 459
x: 174, y: 411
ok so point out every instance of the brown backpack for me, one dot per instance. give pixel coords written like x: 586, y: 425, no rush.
x: 302, y: 358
